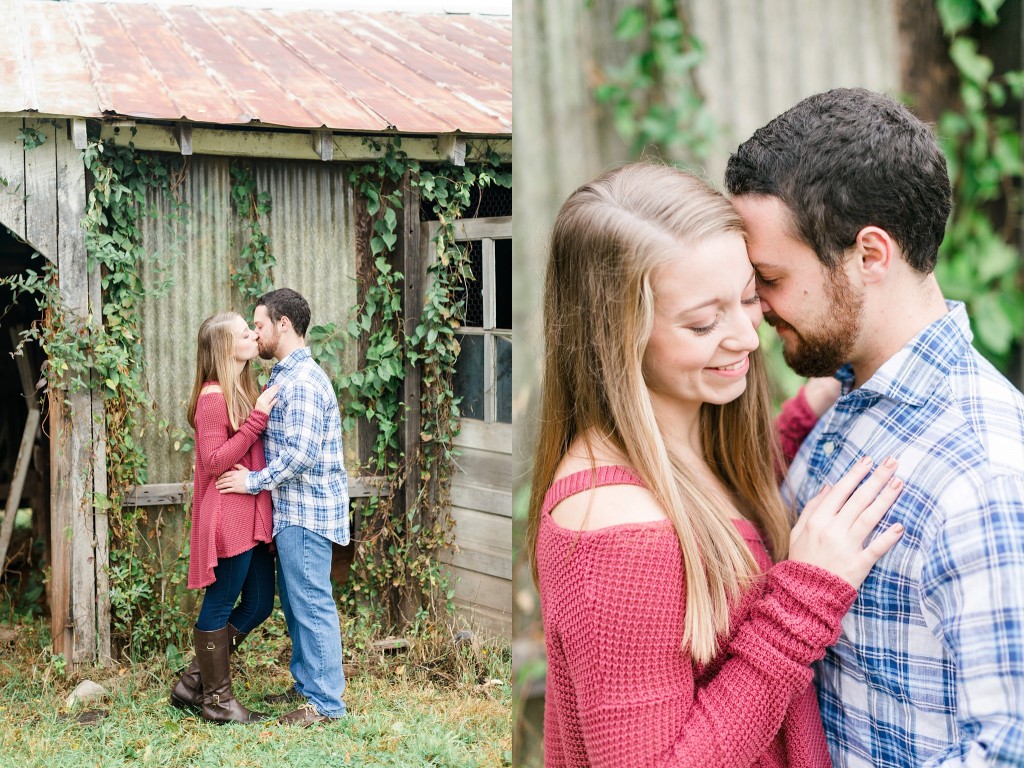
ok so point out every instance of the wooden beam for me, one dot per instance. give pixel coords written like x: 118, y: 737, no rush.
x: 12, y: 178
x: 414, y: 266
x: 172, y: 494
x: 452, y: 146
x: 184, y: 137
x: 290, y: 145
x: 41, y: 189
x: 76, y: 630
x: 28, y: 437
x: 323, y: 144
x: 79, y: 135
x: 24, y: 373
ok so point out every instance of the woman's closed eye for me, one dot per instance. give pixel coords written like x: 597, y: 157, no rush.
x: 704, y: 330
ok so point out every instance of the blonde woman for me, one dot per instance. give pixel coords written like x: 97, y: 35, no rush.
x: 681, y: 612
x: 230, y: 555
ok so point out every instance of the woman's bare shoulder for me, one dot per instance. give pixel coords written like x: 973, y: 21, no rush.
x: 606, y: 505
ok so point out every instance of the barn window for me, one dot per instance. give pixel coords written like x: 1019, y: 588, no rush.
x: 483, y: 373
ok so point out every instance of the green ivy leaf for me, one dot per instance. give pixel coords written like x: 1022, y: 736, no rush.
x: 971, y: 64
x: 991, y: 323
x: 632, y: 23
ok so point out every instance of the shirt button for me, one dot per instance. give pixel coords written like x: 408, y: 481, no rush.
x: 828, y: 448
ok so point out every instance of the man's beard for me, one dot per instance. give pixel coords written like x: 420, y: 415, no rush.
x: 826, y: 349
x: 268, y: 350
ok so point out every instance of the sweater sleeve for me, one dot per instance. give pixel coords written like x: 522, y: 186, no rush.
x: 794, y: 423
x: 729, y: 717
x: 216, y: 447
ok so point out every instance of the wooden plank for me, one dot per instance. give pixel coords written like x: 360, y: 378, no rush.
x: 160, y: 494
x: 496, y: 501
x: 78, y: 465
x: 499, y: 566
x: 414, y: 268
x: 487, y: 623
x: 28, y: 438
x: 60, y: 526
x: 70, y: 209
x: 24, y: 372
x: 494, y: 437
x: 495, y: 227
x: 483, y: 531
x: 12, y: 177
x: 483, y: 468
x: 482, y: 590
x: 292, y: 145
x: 83, y: 536
x: 41, y: 189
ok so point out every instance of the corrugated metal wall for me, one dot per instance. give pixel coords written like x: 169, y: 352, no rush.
x: 763, y: 56
x: 311, y: 229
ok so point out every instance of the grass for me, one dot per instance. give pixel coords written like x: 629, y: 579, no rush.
x: 427, y: 706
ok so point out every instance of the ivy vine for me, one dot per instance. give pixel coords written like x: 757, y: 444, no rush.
x: 653, y: 96
x: 977, y: 262
x: 252, y: 274
x: 397, y: 576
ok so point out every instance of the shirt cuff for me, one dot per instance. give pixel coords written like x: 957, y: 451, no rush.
x: 254, y: 482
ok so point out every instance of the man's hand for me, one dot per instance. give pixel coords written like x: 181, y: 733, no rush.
x: 233, y: 481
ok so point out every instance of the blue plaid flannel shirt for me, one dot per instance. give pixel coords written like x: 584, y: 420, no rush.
x: 929, y: 668
x: 305, y: 464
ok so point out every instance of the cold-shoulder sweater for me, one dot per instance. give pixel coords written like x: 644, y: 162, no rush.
x: 620, y: 689
x: 225, y: 524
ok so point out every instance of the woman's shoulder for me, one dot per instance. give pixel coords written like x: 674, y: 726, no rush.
x: 595, y: 488
x: 211, y: 404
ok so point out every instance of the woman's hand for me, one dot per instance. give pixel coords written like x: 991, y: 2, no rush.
x: 265, y: 402
x: 831, y: 531
x: 821, y: 393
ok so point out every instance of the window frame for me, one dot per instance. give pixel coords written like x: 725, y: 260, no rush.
x: 486, y: 230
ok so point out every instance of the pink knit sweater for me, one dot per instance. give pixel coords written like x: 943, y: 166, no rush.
x: 620, y: 692
x: 225, y: 524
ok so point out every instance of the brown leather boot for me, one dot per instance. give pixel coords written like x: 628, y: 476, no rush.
x: 304, y: 716
x: 188, y: 692
x: 213, y: 652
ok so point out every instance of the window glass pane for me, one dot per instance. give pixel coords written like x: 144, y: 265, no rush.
x: 503, y: 348
x: 503, y: 284
x: 472, y: 289
x: 468, y: 381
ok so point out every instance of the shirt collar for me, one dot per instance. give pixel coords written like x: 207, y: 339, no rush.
x: 912, y: 375
x: 291, y: 361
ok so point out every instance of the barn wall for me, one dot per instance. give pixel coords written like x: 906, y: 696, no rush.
x: 482, y: 511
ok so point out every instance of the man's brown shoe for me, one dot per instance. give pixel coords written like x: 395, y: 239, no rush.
x: 288, y: 697
x: 304, y: 716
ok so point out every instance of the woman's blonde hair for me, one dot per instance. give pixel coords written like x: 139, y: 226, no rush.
x: 215, y: 361
x: 608, y: 238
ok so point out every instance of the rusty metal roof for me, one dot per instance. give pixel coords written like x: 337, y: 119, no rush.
x: 348, y: 71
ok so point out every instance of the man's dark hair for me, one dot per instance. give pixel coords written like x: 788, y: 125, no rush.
x: 844, y: 160
x: 284, y: 302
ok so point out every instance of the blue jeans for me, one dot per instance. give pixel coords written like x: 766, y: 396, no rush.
x: 304, y: 581
x: 251, y: 575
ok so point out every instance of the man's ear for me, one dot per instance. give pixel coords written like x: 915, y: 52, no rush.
x: 287, y: 322
x: 876, y: 252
